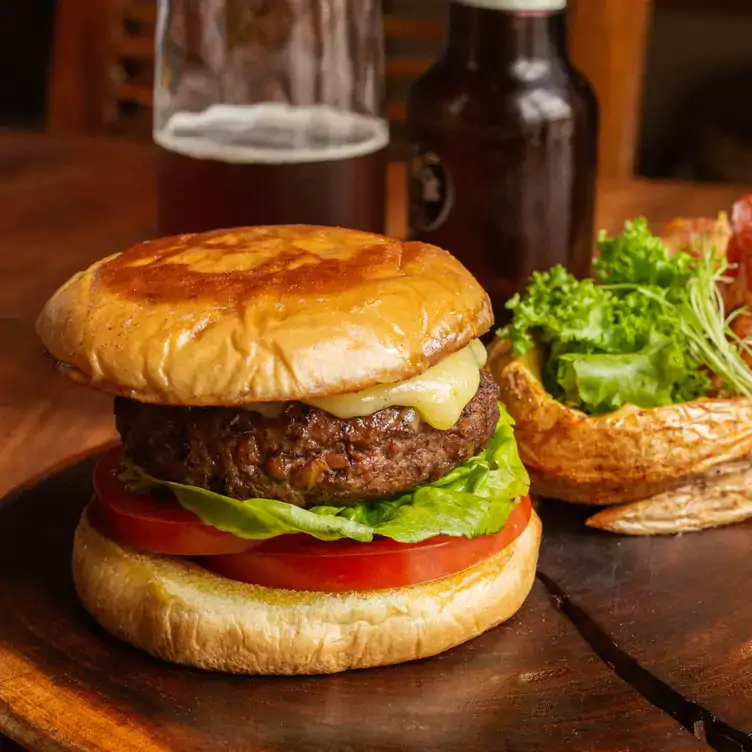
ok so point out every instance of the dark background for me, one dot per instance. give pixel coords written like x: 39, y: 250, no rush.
x: 697, y: 113
x: 25, y: 40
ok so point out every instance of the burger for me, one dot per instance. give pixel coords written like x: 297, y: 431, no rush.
x: 630, y: 390
x: 315, y: 473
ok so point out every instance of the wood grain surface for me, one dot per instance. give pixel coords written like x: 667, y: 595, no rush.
x: 65, y: 684
x: 679, y: 606
x: 534, y: 683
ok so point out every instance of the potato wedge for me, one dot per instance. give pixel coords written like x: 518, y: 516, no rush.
x: 722, y: 496
x: 624, y: 456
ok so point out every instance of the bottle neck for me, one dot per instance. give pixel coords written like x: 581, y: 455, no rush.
x: 495, y: 33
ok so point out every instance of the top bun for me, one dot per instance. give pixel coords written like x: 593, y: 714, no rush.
x: 259, y: 314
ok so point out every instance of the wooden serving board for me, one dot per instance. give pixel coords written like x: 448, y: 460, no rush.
x: 680, y: 606
x: 65, y: 684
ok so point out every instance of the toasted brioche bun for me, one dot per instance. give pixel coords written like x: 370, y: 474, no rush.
x: 262, y: 314
x: 627, y: 455
x: 178, y: 611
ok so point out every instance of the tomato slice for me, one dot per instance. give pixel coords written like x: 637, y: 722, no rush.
x: 299, y: 562
x: 158, y: 527
x: 289, y: 562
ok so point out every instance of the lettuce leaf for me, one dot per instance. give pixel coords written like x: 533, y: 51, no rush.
x: 648, y: 330
x: 607, y: 382
x: 637, y: 257
x: 476, y: 498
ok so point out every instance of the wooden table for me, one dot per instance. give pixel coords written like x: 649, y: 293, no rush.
x: 65, y: 203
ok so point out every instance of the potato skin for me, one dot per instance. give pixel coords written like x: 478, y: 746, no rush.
x: 624, y: 456
x: 722, y: 496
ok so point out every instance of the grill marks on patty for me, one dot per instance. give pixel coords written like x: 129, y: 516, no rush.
x: 304, y: 456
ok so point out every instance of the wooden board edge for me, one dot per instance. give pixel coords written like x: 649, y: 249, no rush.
x: 54, y: 469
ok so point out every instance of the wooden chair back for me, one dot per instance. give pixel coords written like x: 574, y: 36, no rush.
x: 102, y: 68
x: 607, y: 43
x: 413, y: 35
x: 103, y: 60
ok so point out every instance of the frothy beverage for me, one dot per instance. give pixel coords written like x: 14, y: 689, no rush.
x: 271, y: 164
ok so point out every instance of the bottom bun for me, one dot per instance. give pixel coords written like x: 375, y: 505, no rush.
x: 176, y: 610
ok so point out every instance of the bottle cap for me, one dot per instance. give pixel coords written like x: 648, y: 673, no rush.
x: 519, y: 5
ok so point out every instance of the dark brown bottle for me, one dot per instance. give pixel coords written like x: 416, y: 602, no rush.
x: 503, y: 134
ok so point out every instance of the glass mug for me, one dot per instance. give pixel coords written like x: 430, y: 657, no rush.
x: 270, y: 112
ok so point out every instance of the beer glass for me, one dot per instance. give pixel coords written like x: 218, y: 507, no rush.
x: 270, y: 112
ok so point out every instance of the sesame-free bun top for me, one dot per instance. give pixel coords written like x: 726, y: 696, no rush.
x: 259, y: 314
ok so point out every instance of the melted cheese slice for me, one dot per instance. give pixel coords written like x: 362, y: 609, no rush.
x: 438, y: 395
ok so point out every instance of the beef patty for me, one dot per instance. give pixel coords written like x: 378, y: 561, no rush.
x: 304, y: 456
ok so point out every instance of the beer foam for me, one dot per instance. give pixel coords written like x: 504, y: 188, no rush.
x: 272, y: 133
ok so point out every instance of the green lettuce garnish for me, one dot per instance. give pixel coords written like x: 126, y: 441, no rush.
x: 475, y: 498
x: 648, y: 330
